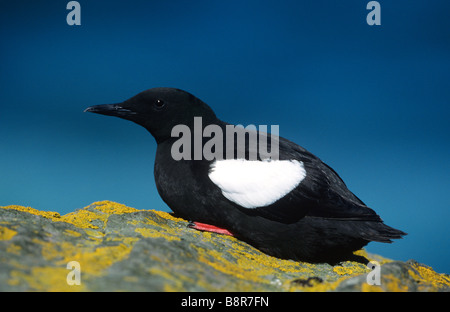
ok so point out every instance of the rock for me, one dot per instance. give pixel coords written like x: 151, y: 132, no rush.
x: 119, y: 248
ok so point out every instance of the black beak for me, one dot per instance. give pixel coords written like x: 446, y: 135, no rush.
x: 117, y: 110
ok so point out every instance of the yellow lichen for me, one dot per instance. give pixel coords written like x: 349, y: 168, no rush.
x: 167, y: 216
x: 215, y: 259
x: 54, y: 216
x: 110, y: 207
x: 363, y: 253
x: 146, y: 232
x: 94, y: 234
x: 388, y: 283
x: 96, y: 261
x: 81, y: 218
x: 6, y: 233
x: 93, y: 260
x: 249, y: 268
x: 350, y: 268
x: 426, y: 276
x: 130, y: 279
x: 72, y: 233
x: 393, y: 284
x: 53, y: 279
x: 249, y: 264
x: 317, y: 286
x: 175, y: 285
x: 371, y: 288
x: 13, y: 249
x: 342, y: 270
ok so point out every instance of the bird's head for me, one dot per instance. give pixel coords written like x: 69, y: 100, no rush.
x: 159, y: 110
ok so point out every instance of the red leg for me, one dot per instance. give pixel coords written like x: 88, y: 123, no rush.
x: 209, y: 228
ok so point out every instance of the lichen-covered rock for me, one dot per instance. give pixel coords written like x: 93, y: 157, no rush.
x: 119, y: 248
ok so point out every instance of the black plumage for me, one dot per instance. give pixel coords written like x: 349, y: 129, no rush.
x: 320, y: 220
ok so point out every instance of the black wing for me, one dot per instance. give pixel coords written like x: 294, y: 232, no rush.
x: 322, y: 193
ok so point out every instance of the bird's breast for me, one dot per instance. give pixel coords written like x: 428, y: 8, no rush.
x: 182, y: 186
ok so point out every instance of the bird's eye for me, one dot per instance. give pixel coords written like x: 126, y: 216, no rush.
x: 159, y: 103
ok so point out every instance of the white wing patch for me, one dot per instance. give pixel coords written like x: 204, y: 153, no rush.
x: 253, y: 184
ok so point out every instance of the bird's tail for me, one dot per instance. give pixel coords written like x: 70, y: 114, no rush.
x: 380, y: 232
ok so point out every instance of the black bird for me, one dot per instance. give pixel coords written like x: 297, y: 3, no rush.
x: 291, y: 206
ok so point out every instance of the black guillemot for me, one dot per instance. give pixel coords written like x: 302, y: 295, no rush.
x: 290, y: 205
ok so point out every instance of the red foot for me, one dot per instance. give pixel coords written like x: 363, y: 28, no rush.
x: 209, y: 228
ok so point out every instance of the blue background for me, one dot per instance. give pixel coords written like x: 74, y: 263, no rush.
x: 370, y: 101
